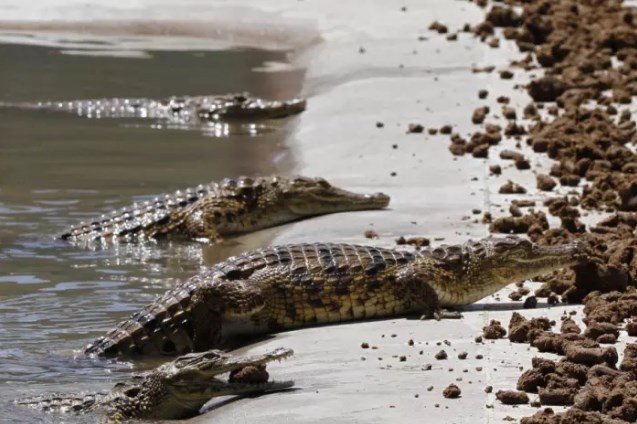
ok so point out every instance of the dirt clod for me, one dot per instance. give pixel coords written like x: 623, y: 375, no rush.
x: 512, y: 397
x: 452, y: 392
x: 494, y: 330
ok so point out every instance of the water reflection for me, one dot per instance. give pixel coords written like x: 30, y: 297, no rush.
x: 57, y: 169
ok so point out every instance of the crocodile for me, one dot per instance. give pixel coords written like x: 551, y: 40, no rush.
x: 177, y: 109
x: 291, y: 286
x: 232, y: 206
x: 174, y: 390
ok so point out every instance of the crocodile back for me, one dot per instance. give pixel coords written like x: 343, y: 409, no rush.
x: 305, y: 284
x: 145, y: 219
x: 318, y: 259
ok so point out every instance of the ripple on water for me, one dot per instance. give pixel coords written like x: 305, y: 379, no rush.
x: 22, y: 279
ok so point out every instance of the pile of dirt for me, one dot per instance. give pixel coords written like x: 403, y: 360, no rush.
x: 587, y: 377
x: 588, y: 51
x: 578, y: 117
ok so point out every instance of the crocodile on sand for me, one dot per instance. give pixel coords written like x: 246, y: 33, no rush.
x: 174, y: 390
x: 182, y: 109
x: 232, y: 206
x: 301, y: 285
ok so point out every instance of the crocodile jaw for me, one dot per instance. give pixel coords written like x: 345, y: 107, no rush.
x: 481, y: 268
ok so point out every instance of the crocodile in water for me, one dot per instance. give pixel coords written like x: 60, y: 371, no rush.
x: 232, y: 206
x: 182, y: 109
x: 293, y: 286
x: 174, y: 390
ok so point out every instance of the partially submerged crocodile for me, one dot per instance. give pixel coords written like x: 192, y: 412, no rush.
x: 301, y: 285
x: 232, y: 206
x: 179, y: 109
x: 174, y: 390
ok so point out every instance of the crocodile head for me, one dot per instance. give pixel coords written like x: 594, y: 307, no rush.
x: 303, y: 196
x: 180, y: 388
x: 482, y: 267
x: 245, y: 107
x: 174, y: 390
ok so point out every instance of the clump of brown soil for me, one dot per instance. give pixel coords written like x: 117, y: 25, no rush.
x: 545, y: 182
x: 512, y: 397
x: 572, y: 416
x: 452, y: 392
x: 611, y: 308
x: 533, y: 221
x: 414, y: 241
x: 520, y: 327
x: 479, y: 114
x: 588, y: 52
x: 494, y: 330
x: 570, y: 326
x: 250, y: 375
x: 511, y: 188
x: 586, y: 378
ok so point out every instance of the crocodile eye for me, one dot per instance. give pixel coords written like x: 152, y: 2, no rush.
x: 321, y: 182
x: 132, y: 392
x: 300, y: 181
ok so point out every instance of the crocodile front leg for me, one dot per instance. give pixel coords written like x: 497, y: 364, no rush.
x: 200, y: 225
x: 416, y: 280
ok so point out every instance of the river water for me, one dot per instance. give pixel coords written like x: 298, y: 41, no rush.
x: 57, y: 169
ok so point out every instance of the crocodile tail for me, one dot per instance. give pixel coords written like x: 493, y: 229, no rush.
x: 164, y: 327
x: 63, y: 402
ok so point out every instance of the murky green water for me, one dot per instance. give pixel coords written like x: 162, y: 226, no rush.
x: 57, y: 169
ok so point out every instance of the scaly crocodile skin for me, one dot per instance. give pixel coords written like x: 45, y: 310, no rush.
x: 301, y: 285
x: 179, y: 110
x: 232, y: 206
x: 171, y: 391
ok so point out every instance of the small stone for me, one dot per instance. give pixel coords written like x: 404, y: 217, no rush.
x: 370, y: 234
x: 446, y: 129
x: 506, y: 74
x: 441, y: 355
x: 451, y: 391
x: 511, y: 188
x: 545, y: 183
x: 503, y: 99
x: 509, y: 113
x: 479, y: 114
x: 522, y: 164
x: 438, y: 27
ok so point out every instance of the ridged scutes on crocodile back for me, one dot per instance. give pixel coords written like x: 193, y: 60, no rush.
x: 178, y: 109
x: 299, y: 285
x: 231, y: 206
x: 174, y: 390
